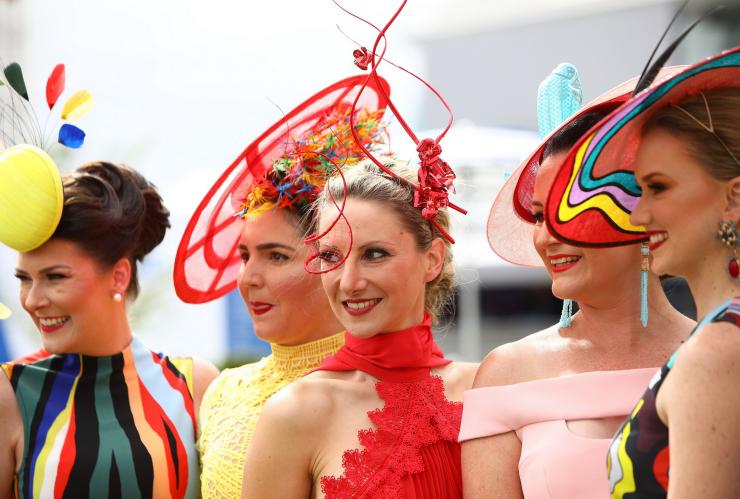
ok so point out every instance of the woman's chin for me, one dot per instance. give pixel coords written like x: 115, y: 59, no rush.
x: 268, y: 334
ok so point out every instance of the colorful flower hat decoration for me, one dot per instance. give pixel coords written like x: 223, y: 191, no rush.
x: 595, y: 190
x: 510, y: 226
x: 31, y: 195
x: 284, y: 168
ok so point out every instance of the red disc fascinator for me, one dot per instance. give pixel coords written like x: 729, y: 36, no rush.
x: 207, y: 260
x: 510, y: 226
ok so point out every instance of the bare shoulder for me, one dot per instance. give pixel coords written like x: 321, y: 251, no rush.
x: 714, y: 351
x: 204, y: 372
x: 458, y: 374
x: 291, y: 429
x: 11, y: 431
x: 457, y: 377
x: 304, y: 405
x: 515, y: 362
x: 8, y: 403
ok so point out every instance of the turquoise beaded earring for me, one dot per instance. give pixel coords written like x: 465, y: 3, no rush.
x: 566, y: 314
x: 644, y: 268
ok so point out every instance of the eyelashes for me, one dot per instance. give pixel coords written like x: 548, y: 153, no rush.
x: 330, y: 256
x: 50, y: 277
x: 333, y: 256
x: 273, y: 256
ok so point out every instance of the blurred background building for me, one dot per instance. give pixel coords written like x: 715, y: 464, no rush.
x: 181, y: 87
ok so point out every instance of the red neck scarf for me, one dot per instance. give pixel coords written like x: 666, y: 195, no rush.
x: 399, y: 357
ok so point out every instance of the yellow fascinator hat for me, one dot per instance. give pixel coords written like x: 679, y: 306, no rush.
x: 31, y: 192
x: 31, y: 197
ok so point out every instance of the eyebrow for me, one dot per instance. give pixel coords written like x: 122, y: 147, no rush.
x: 46, y: 269
x: 537, y: 203
x: 268, y: 246
x: 650, y: 175
x: 374, y: 243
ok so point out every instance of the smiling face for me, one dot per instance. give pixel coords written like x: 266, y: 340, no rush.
x: 287, y: 305
x: 68, y: 296
x: 586, y: 275
x: 680, y: 207
x: 380, y: 288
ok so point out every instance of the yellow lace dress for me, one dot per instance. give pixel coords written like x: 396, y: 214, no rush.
x: 233, y: 402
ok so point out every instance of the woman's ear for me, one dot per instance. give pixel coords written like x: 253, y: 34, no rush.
x: 121, y: 274
x: 732, y: 206
x: 434, y: 259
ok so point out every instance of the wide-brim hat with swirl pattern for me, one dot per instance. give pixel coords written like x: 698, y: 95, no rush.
x: 595, y: 191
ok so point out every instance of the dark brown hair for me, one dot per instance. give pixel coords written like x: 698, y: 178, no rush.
x: 706, y: 147
x: 566, y: 138
x: 112, y: 212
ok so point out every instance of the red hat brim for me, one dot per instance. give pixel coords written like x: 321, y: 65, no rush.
x: 207, y: 259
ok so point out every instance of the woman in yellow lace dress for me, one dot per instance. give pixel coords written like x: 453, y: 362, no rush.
x: 270, y: 187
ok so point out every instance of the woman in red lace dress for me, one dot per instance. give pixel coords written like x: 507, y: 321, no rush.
x: 381, y: 417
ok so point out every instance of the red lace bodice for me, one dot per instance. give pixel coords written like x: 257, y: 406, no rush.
x: 412, y: 453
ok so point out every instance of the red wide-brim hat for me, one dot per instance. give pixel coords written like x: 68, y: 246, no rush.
x: 510, y: 225
x: 207, y: 259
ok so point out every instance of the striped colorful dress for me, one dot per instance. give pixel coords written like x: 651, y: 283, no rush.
x: 118, y: 426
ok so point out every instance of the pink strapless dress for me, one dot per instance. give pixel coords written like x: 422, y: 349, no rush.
x: 556, y: 463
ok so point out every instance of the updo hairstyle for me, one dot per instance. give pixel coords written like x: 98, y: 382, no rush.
x: 112, y: 212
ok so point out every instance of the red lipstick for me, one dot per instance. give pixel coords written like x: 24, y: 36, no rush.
x: 360, y: 306
x: 260, y: 308
x: 562, y: 267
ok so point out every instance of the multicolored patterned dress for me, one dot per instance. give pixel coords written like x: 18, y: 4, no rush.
x: 638, y: 461
x: 118, y: 426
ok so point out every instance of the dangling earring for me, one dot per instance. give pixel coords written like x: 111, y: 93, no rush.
x: 117, y: 297
x: 565, y: 315
x: 727, y: 233
x: 644, y: 267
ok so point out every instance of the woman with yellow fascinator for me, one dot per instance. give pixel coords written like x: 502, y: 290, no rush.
x: 94, y: 413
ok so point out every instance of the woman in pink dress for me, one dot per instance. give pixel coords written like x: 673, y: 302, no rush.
x: 543, y: 409
x: 671, y: 155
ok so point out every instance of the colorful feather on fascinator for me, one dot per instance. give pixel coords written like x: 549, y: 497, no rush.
x: 297, y: 177
x: 19, y: 123
x: 595, y: 190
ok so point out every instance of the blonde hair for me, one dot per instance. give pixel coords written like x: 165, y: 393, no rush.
x: 367, y: 182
